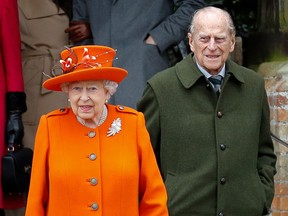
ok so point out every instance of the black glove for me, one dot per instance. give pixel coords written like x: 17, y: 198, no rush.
x: 15, y: 106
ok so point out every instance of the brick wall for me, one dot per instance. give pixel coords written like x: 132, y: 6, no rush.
x: 276, y: 81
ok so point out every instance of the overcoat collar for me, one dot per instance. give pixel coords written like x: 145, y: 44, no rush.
x: 233, y: 69
x: 31, y: 10
x: 188, y: 72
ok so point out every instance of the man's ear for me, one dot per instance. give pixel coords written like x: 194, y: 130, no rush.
x: 233, y: 41
x: 190, y: 40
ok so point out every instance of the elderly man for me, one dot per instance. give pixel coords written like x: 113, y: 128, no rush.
x: 211, y: 138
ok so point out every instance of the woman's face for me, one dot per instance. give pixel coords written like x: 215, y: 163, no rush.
x: 87, y: 98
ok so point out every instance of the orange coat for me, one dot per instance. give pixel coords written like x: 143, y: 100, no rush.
x: 77, y: 174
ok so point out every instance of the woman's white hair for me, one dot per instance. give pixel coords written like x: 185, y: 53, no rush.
x: 109, y: 85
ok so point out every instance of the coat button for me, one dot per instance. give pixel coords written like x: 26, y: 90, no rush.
x: 92, y: 157
x: 221, y: 214
x: 222, y: 147
x: 91, y: 134
x: 222, y: 181
x: 94, y: 206
x: 219, y: 114
x: 93, y: 181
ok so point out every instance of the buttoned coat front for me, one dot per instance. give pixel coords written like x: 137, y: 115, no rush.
x: 82, y: 171
x: 216, y: 155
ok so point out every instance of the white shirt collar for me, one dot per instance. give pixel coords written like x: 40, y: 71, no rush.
x: 208, y: 75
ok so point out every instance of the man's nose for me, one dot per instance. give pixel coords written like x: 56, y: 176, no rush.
x: 212, y: 44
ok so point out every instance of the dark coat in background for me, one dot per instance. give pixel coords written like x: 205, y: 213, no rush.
x: 125, y: 24
x: 216, y: 156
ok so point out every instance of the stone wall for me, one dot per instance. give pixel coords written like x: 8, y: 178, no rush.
x: 276, y: 80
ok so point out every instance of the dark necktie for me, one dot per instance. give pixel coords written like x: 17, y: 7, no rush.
x: 216, y: 81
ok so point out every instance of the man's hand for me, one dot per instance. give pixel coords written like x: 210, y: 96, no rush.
x: 150, y: 40
x: 78, y: 31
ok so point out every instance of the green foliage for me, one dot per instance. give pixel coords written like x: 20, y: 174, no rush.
x: 243, y: 12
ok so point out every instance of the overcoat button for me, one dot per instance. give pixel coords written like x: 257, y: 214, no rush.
x: 94, y: 206
x: 92, y: 134
x: 92, y: 157
x: 220, y: 214
x: 93, y: 181
x: 222, y: 181
x: 222, y: 147
x: 219, y: 114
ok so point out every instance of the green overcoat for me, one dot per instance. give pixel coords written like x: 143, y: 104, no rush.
x: 216, y: 155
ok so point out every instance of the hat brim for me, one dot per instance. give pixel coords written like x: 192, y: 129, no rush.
x: 99, y: 73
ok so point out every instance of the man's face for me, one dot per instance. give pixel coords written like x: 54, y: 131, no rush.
x: 211, y: 42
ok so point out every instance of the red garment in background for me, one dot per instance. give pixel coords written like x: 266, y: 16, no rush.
x: 11, y: 79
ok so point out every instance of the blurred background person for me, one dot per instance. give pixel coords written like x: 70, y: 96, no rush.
x: 143, y: 32
x: 42, y: 39
x: 12, y: 96
x: 41, y: 24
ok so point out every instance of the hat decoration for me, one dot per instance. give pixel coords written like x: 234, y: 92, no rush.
x: 87, y: 60
x: 81, y: 63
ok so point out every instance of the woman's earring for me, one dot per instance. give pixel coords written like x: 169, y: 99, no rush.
x: 68, y: 99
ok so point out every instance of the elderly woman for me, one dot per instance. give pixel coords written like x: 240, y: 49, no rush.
x: 93, y: 158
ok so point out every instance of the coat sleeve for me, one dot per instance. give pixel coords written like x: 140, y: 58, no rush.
x: 149, y: 106
x: 175, y: 27
x: 11, y: 46
x: 266, y: 157
x: 38, y: 191
x: 153, y: 196
x: 80, y: 10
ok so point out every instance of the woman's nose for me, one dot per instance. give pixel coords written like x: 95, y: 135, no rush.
x: 84, y: 96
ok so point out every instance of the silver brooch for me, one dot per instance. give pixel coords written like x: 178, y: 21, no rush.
x: 114, y: 128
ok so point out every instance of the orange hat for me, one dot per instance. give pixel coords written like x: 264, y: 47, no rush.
x: 89, y: 62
